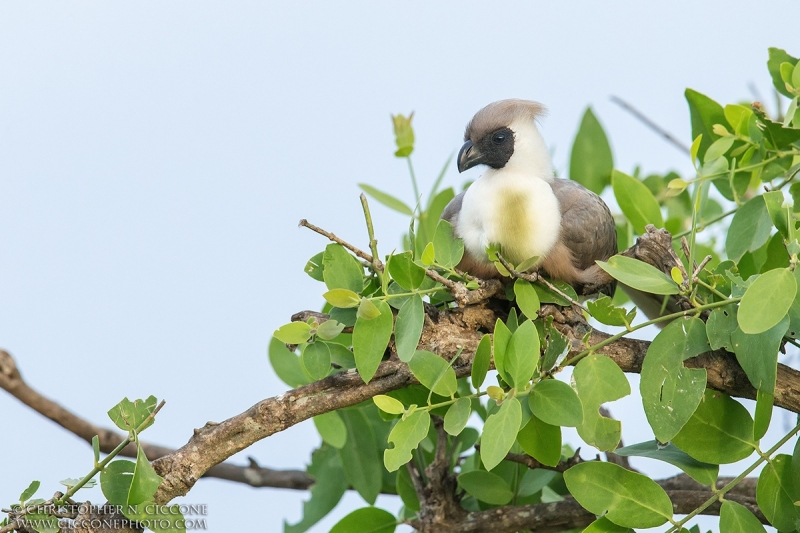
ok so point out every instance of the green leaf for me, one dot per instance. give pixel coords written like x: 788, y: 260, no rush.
x: 370, y: 339
x: 736, y: 518
x: 599, y: 380
x: 329, y: 486
x: 387, y: 199
x: 405, y: 489
x: 669, y: 453
x: 767, y: 301
x: 331, y: 428
x: 366, y: 520
x: 776, y: 57
x: 721, y: 323
x: 763, y: 414
x: 541, y: 440
x: 433, y: 372
x: 704, y: 112
x: 115, y: 481
x: 344, y: 298
x: 457, y: 416
x: 556, y: 403
x: 758, y: 354
x: 547, y: 296
x: 591, y: 161
x: 403, y: 135
x: 500, y: 432
x: 776, y: 493
x: 534, y: 481
x: 670, y: 391
x: 145, y: 481
x: 73, y: 482
x: 293, y: 333
x: 367, y: 310
x: 639, y: 275
x: 718, y: 148
x: 30, y: 491
x: 314, y: 267
x: 316, y: 360
x: 480, y: 364
x: 286, y: 364
x: 129, y: 415
x: 360, y: 460
x: 696, y: 148
x: 526, y: 298
x: 329, y: 330
x: 522, y: 354
x: 405, y: 272
x: 749, y: 229
x: 406, y: 436
x: 719, y: 432
x: 780, y: 215
x: 408, y: 329
x: 342, y: 270
x: 486, y: 487
x: 627, y: 498
x: 557, y: 345
x: 501, y: 339
x: 604, y: 312
x: 428, y: 255
x: 636, y: 201
x: 604, y: 525
x: 390, y: 405
x: 448, y: 250
x: 96, y: 449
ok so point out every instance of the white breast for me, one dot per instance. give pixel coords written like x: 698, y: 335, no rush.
x: 514, y: 209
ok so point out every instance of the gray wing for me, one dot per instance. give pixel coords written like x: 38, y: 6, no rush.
x: 452, y: 209
x: 587, y: 227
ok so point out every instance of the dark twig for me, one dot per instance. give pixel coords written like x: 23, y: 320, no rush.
x: 702, y: 265
x: 461, y: 294
x: 650, y: 124
x: 530, y: 462
x: 363, y: 255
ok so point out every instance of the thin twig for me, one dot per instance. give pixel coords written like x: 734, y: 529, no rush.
x: 702, y: 265
x: 530, y: 462
x: 652, y: 125
x: 373, y: 243
x: 461, y: 294
x: 688, y: 253
x: 360, y: 253
x: 536, y: 278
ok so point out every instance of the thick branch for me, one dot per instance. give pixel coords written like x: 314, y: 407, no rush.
x: 11, y: 380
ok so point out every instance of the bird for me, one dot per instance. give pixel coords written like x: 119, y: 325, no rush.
x: 519, y: 205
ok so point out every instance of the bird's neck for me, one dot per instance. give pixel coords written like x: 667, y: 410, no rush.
x: 530, y: 157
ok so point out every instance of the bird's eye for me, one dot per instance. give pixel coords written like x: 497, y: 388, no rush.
x: 498, y: 138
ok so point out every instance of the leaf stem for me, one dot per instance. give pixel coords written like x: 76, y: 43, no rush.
x: 710, y: 288
x: 373, y: 243
x: 413, y: 179
x: 130, y: 438
x: 407, y: 294
x: 664, y: 318
x: 705, y: 224
x: 724, y: 490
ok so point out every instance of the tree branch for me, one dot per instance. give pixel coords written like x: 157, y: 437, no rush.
x: 11, y: 381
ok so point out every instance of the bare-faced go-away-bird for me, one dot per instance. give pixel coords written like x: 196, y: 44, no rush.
x: 519, y: 205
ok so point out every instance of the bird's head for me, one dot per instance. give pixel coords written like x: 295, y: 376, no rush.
x: 504, y: 135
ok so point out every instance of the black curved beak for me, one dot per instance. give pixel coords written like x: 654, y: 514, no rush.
x: 469, y: 156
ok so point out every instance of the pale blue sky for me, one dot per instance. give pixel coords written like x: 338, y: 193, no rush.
x: 155, y: 159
